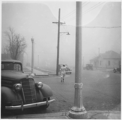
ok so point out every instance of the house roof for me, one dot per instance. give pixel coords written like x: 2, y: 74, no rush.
x: 108, y: 55
x: 111, y: 54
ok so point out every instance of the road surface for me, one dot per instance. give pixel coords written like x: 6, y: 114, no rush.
x: 35, y: 71
x: 101, y: 91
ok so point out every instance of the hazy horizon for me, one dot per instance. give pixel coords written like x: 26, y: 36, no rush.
x: 35, y: 20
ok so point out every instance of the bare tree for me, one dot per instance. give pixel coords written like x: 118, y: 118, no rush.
x: 16, y: 44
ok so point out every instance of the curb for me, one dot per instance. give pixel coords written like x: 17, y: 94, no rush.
x: 64, y: 115
x: 58, y: 115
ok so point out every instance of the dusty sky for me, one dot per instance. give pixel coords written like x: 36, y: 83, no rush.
x: 34, y: 19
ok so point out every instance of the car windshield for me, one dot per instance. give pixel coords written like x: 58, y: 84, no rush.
x: 11, y: 66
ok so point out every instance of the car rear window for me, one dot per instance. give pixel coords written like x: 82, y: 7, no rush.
x: 11, y: 66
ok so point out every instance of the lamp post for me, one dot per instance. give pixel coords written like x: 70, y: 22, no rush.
x: 78, y: 111
x: 32, y: 62
x: 38, y: 62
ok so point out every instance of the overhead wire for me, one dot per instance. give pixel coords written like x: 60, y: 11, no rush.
x: 106, y: 27
x: 89, y: 10
x: 85, y: 4
x: 73, y: 11
x: 93, y: 7
x: 68, y: 14
x: 66, y: 29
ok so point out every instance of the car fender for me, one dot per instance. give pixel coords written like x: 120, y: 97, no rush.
x: 8, y: 95
x: 39, y: 95
x: 46, y: 91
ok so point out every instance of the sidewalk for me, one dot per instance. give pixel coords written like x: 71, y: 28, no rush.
x: 37, y: 72
x: 64, y: 115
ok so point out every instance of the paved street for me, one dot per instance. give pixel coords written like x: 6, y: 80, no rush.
x: 101, y: 91
x: 37, y: 72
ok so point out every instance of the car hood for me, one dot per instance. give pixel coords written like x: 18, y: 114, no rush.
x: 13, y: 75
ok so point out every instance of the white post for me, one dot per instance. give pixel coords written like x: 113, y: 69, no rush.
x: 78, y: 111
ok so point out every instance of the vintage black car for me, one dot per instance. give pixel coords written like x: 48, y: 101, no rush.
x: 68, y: 71
x: 115, y: 70
x: 19, y: 90
x: 89, y: 67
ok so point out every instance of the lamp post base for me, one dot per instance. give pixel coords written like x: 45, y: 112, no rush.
x: 77, y: 114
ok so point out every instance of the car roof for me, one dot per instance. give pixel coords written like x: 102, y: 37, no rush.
x: 11, y: 60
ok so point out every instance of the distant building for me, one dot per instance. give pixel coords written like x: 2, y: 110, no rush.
x: 108, y: 60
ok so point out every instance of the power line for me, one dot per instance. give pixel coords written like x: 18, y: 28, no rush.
x: 93, y: 7
x: 68, y: 14
x: 65, y: 28
x: 109, y: 27
x: 84, y: 4
x: 101, y: 27
x: 84, y: 12
x: 71, y: 19
x: 73, y: 11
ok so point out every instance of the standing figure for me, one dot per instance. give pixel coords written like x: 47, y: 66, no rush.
x: 63, y: 72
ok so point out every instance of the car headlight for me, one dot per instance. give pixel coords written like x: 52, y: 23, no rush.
x: 18, y: 86
x: 39, y: 85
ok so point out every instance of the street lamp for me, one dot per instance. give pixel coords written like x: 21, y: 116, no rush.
x: 32, y: 63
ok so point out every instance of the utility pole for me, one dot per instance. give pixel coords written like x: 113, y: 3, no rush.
x: 58, y: 42
x: 83, y: 62
x: 32, y: 63
x: 38, y: 62
x: 99, y: 52
x: 78, y: 111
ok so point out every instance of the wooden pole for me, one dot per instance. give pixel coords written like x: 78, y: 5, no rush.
x: 58, y: 44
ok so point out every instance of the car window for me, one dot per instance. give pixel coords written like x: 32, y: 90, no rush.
x: 17, y: 67
x: 11, y: 66
x: 7, y: 66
